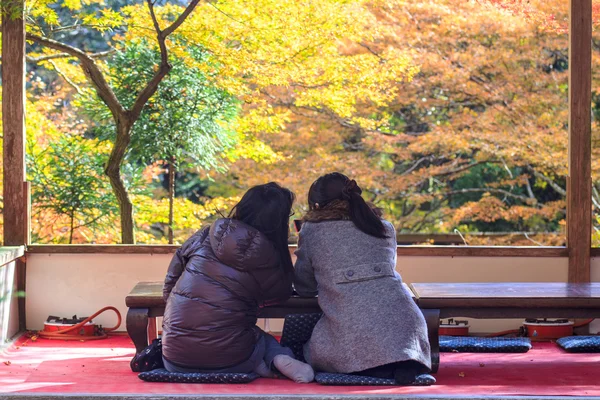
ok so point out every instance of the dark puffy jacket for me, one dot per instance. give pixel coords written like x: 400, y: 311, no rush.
x: 215, y: 284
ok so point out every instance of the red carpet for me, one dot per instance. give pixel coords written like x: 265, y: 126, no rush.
x: 103, y: 367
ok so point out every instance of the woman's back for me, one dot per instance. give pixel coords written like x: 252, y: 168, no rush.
x: 369, y: 319
x: 214, y: 287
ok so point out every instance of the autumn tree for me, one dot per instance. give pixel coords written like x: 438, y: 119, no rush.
x: 550, y: 17
x: 186, y: 123
x: 451, y: 114
x: 68, y: 181
x: 124, y: 116
x: 320, y: 49
x: 475, y: 142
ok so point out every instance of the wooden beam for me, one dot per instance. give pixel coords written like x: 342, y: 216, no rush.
x: 480, y: 251
x: 579, y: 182
x: 13, y: 121
x: 101, y: 249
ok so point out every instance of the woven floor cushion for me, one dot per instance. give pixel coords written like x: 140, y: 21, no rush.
x: 162, y: 375
x: 580, y: 344
x: 467, y: 344
x: 297, y: 330
x: 325, y: 378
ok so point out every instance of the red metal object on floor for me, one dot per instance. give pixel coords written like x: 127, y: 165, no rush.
x: 547, y: 330
x: 78, y: 328
x: 88, y: 329
x: 454, y: 328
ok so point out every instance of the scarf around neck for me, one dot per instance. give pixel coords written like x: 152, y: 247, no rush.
x: 337, y: 210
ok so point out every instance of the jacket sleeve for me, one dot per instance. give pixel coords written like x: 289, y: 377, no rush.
x: 282, y: 289
x: 304, y: 274
x: 179, y: 261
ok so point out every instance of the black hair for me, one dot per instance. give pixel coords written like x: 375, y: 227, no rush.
x: 336, y: 186
x: 267, y: 209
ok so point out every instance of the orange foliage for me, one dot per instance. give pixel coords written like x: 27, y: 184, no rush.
x: 491, y: 95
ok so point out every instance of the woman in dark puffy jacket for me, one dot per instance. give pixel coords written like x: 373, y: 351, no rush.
x: 218, y: 280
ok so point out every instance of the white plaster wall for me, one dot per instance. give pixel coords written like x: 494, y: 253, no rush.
x: 9, y: 311
x: 80, y: 284
x: 595, y: 269
x: 68, y: 284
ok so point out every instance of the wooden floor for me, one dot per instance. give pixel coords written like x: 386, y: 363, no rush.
x: 55, y: 369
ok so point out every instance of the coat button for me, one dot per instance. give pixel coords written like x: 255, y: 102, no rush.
x: 350, y: 273
x: 377, y: 269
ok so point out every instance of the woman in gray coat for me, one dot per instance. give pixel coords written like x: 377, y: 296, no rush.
x: 347, y: 255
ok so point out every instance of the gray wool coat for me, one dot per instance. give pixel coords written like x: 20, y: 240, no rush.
x: 369, y: 319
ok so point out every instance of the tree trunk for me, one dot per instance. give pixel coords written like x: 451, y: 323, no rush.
x: 113, y: 171
x: 72, y: 225
x: 172, y: 172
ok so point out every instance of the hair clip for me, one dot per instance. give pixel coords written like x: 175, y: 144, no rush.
x: 317, y: 205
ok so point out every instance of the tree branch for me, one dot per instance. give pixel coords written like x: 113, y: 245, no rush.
x: 77, y: 26
x: 188, y: 10
x: 48, y: 57
x: 366, y: 46
x: 489, y: 190
x: 595, y: 197
x: 415, y: 165
x: 529, y: 189
x: 549, y: 181
x: 91, y: 70
x: 164, y: 67
x: 464, y: 168
x: 66, y: 78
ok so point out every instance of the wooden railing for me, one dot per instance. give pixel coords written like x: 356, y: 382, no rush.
x: 406, y: 251
x: 10, y: 254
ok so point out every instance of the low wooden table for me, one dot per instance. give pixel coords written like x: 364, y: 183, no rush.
x: 505, y: 300
x: 145, y: 304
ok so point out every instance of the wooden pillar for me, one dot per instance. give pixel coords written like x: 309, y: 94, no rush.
x: 15, y: 190
x: 13, y: 122
x: 579, y: 183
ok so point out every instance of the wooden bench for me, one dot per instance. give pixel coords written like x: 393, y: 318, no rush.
x: 505, y: 300
x: 436, y: 300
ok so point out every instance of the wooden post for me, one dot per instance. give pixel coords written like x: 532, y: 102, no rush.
x: 579, y: 182
x: 16, y: 206
x: 13, y: 121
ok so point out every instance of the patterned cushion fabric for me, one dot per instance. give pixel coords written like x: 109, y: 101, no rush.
x: 162, y: 375
x: 467, y: 344
x: 297, y: 330
x: 324, y: 378
x: 580, y: 344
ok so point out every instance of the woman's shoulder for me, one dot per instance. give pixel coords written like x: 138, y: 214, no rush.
x: 388, y: 225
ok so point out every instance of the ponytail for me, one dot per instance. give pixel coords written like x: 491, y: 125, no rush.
x: 361, y: 213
